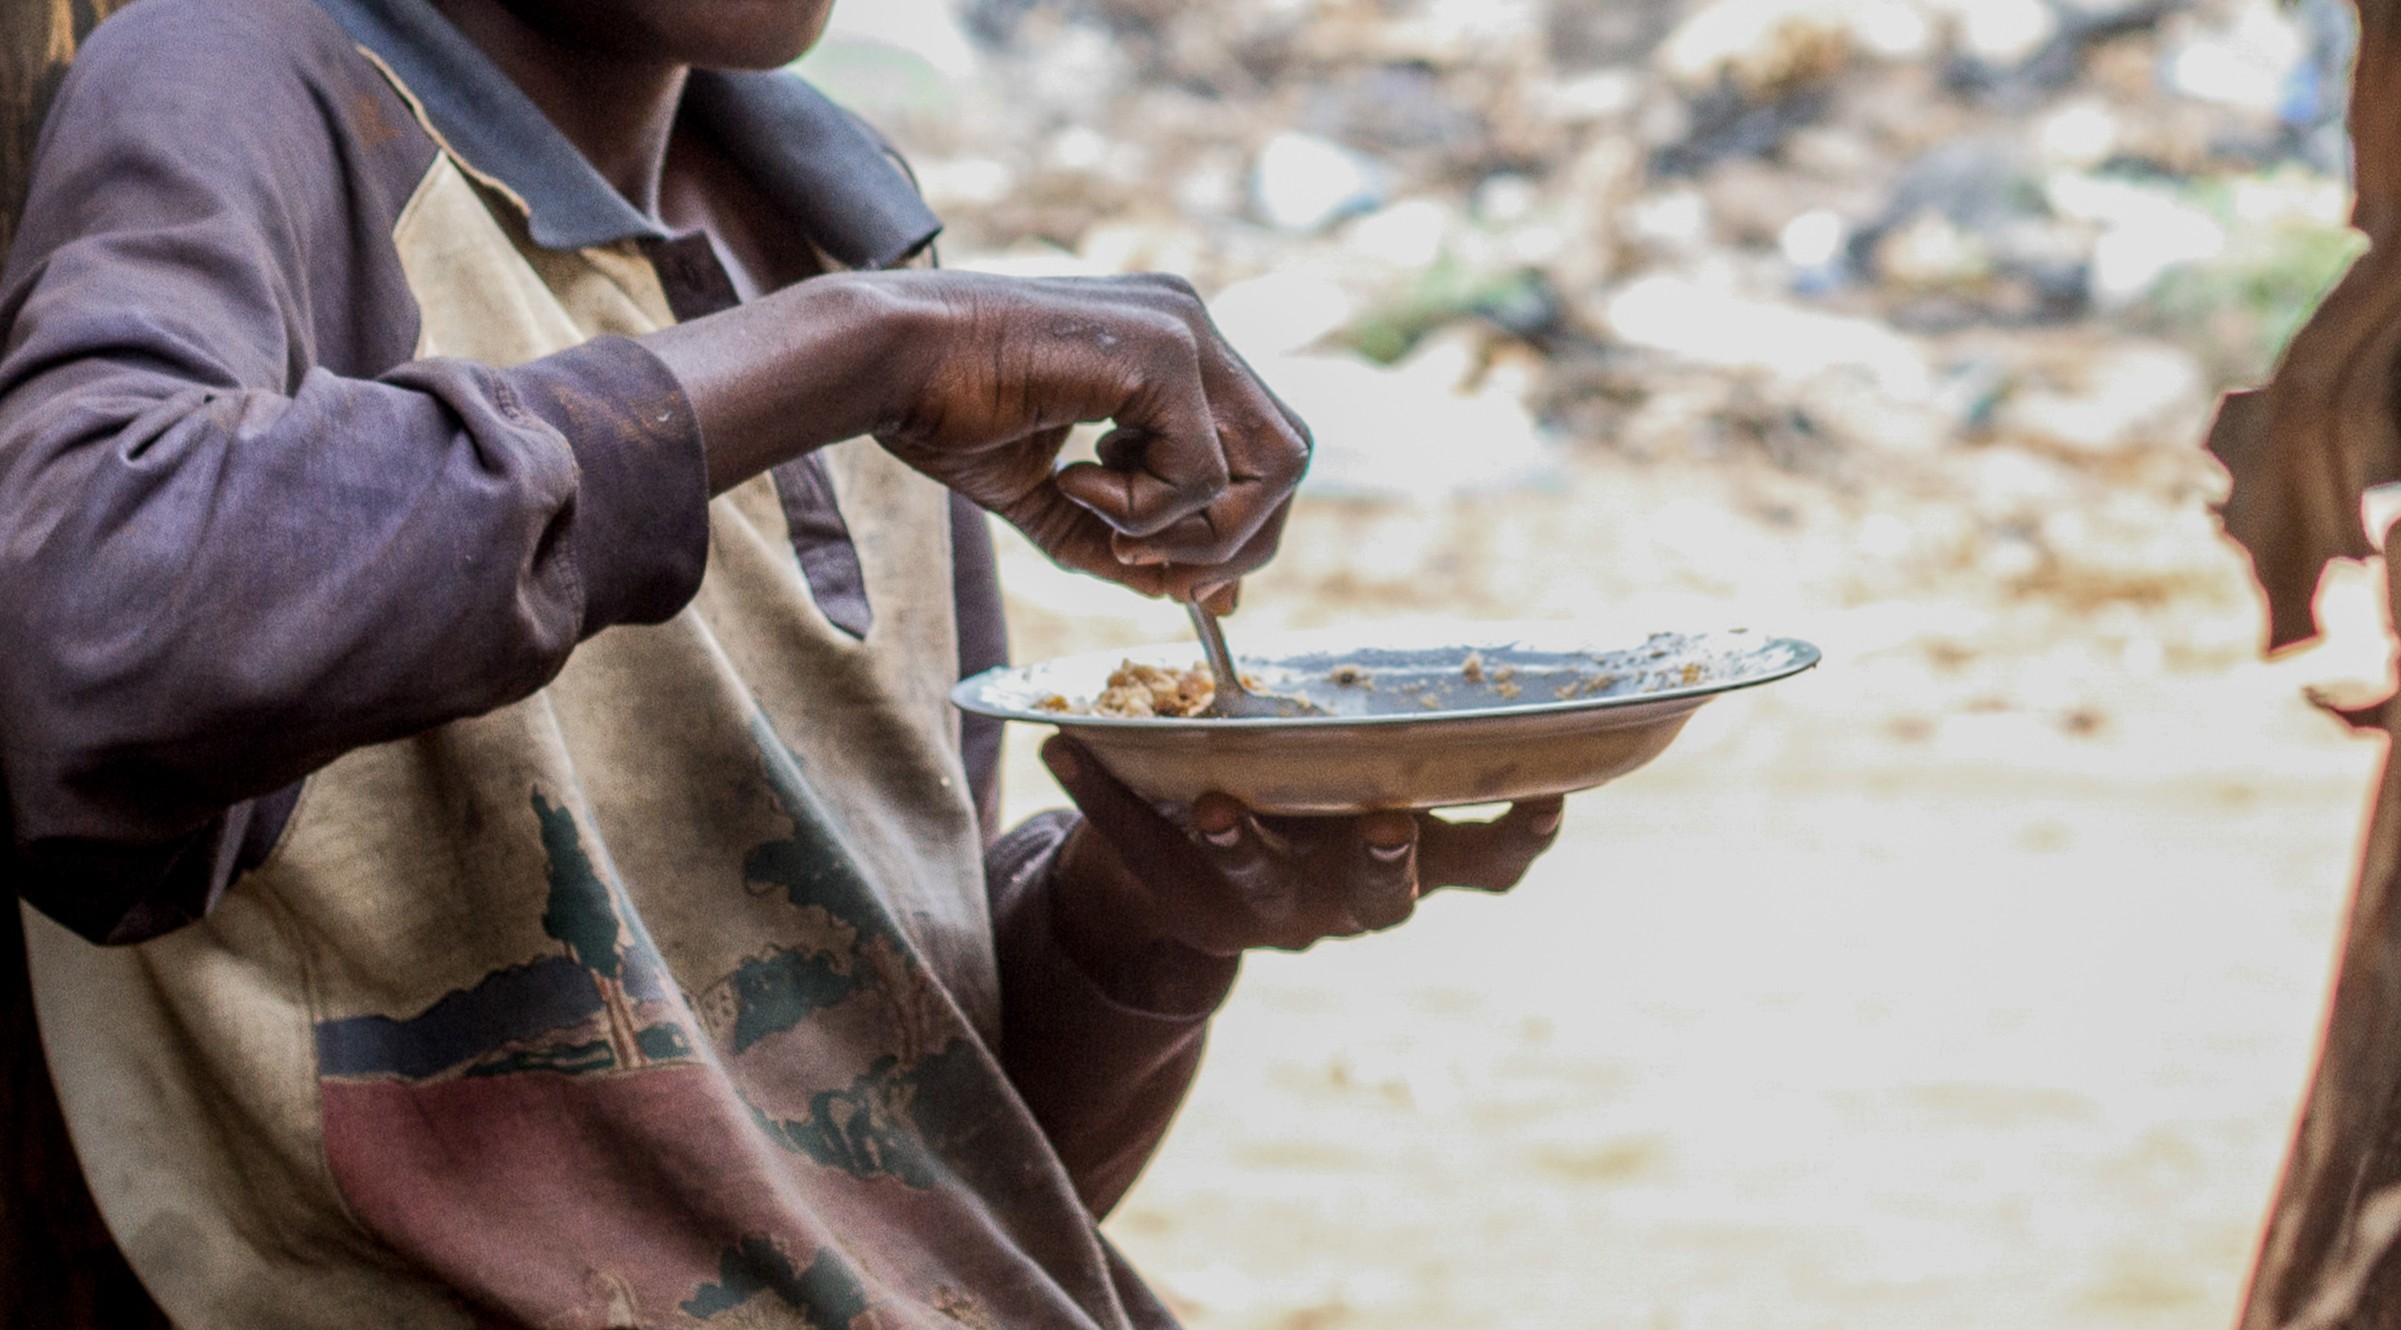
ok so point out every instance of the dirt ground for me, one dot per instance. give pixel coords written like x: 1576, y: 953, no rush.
x: 1968, y: 982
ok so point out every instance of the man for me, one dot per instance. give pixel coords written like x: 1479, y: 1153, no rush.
x: 482, y: 560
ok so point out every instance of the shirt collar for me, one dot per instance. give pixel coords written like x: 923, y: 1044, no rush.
x: 817, y: 163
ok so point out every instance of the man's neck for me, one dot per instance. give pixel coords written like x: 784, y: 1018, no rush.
x: 617, y: 110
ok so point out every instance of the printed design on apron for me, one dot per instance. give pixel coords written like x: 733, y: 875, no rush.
x: 583, y: 1103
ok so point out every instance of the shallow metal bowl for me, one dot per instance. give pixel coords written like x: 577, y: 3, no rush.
x: 1465, y: 714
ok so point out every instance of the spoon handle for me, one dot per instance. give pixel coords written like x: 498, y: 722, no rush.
x: 1231, y: 698
x: 1213, y: 645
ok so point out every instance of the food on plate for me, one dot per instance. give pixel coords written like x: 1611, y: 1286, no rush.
x: 1462, y: 679
x: 1136, y: 691
x: 1594, y: 686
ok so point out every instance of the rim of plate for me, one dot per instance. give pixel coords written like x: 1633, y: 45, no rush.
x: 1799, y: 656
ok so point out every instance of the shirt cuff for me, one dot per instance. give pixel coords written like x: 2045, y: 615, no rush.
x: 1037, y: 972
x: 639, y: 533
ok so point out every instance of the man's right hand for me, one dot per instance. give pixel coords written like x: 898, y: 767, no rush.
x: 977, y: 380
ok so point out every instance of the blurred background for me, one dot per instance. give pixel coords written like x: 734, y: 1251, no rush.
x: 1968, y: 982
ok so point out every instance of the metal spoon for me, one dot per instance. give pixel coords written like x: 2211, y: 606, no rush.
x: 1231, y: 699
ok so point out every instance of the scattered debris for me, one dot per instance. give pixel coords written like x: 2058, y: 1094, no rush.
x: 1969, y: 272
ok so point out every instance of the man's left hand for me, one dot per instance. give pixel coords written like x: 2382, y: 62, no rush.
x: 1156, y: 909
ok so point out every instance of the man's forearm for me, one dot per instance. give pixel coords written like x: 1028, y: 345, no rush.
x: 1103, y: 1076
x: 813, y: 364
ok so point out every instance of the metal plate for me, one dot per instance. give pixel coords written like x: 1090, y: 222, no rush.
x: 1424, y: 718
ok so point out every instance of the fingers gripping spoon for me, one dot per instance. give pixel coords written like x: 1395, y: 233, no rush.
x: 1230, y: 699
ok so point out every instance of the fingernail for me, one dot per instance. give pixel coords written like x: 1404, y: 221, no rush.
x: 1144, y: 558
x: 1225, y: 838
x: 1391, y: 854
x: 1544, y: 824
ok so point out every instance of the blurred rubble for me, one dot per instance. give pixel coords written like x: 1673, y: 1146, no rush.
x: 1989, y: 259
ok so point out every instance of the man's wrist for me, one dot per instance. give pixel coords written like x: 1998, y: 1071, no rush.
x: 810, y: 365
x: 1098, y: 918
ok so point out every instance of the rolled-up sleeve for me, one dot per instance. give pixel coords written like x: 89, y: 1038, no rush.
x: 241, y: 533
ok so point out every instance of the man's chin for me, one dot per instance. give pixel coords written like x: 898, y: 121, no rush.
x: 766, y: 34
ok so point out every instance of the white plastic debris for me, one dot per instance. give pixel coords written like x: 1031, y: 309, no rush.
x: 1760, y: 44
x: 1301, y: 182
x: 1505, y: 199
x: 2125, y: 394
x: 1594, y: 96
x: 1814, y: 240
x: 1714, y: 327
x: 1435, y: 425
x: 2081, y: 134
x: 1676, y: 218
x: 2245, y: 63
x: 2145, y: 233
x: 2004, y: 32
x: 1406, y: 235
x: 1282, y: 312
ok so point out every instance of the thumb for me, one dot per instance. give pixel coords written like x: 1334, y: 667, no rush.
x: 1143, y: 838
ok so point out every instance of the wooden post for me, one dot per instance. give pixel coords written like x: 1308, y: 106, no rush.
x: 58, y: 1266
x: 2302, y: 451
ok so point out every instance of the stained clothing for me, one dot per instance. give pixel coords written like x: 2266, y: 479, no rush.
x: 547, y: 896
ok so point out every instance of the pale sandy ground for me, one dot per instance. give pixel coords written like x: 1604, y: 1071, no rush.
x: 1969, y: 982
